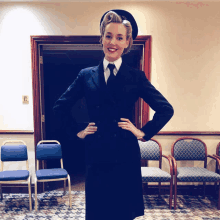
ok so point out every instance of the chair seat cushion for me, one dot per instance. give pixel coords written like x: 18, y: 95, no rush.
x: 196, y: 174
x: 154, y: 174
x: 54, y: 173
x: 12, y: 175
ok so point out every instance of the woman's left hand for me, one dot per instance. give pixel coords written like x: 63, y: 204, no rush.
x: 127, y: 125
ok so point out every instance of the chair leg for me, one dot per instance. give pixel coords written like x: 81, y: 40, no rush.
x: 1, y: 192
x: 44, y: 187
x: 159, y: 188
x: 35, y: 194
x: 64, y: 187
x: 175, y: 193
x: 218, y: 197
x: 203, y: 190
x: 29, y: 190
x: 171, y: 194
x: 70, y: 196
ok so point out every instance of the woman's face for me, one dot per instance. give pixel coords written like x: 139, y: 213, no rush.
x: 114, y: 41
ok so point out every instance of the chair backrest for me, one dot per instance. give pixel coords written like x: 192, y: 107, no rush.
x: 189, y: 148
x: 150, y: 150
x: 16, y: 152
x: 48, y: 150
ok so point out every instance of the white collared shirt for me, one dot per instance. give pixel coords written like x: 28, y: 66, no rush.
x: 106, y: 69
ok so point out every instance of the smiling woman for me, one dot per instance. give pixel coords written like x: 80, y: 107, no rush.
x: 113, y: 172
x: 112, y: 18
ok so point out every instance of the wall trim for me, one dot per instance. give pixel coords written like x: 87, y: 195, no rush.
x: 188, y: 133
x: 16, y: 132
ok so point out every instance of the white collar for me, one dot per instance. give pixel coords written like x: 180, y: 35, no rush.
x: 116, y: 62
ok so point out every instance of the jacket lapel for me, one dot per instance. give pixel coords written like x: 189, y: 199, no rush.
x: 99, y: 81
x: 123, y: 75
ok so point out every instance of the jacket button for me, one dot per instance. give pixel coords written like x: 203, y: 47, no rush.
x: 99, y: 136
x: 97, y: 106
x: 114, y: 121
x: 114, y: 135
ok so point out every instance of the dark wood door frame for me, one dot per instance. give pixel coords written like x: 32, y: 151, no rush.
x: 36, y: 41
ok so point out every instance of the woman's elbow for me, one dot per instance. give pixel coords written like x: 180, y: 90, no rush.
x: 170, y: 111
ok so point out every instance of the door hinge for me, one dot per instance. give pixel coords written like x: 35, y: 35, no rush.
x: 42, y: 118
x: 41, y: 59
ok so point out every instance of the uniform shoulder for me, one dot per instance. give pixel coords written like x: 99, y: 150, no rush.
x: 88, y: 69
x: 87, y: 72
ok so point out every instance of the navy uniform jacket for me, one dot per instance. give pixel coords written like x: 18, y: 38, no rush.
x: 111, y: 143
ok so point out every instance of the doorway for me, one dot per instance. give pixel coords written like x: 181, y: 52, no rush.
x: 141, y: 115
x: 61, y: 65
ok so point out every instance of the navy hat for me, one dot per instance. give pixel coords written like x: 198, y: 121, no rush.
x: 125, y: 15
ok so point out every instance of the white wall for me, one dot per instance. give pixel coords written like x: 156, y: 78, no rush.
x: 185, y: 57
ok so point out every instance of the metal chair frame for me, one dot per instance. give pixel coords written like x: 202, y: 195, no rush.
x: 28, y: 180
x: 49, y: 180
x: 145, y: 162
x: 205, y: 166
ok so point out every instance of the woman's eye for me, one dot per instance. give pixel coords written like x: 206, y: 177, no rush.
x: 108, y: 36
x: 120, y: 38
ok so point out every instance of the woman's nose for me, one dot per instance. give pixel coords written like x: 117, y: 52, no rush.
x: 113, y: 41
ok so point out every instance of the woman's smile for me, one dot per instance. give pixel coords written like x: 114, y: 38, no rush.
x: 112, y: 50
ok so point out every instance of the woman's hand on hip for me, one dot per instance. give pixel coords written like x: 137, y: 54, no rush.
x: 127, y: 125
x: 90, y: 129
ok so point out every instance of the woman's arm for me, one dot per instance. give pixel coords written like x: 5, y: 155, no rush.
x: 128, y: 125
x: 62, y: 107
x: 163, y: 109
x: 90, y: 129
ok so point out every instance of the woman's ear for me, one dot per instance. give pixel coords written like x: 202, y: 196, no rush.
x: 101, y: 40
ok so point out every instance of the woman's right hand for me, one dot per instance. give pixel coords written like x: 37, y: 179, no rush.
x: 90, y: 129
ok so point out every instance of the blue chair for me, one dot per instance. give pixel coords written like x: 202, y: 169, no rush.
x: 192, y: 149
x: 152, y: 150
x: 46, y: 150
x: 15, y: 153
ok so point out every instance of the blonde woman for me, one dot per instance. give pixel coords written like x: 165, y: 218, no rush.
x: 113, y: 173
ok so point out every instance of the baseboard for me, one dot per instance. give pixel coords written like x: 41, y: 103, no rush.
x: 147, y: 189
x: 19, y: 188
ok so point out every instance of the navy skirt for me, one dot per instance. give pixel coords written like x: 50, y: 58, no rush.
x: 114, y: 191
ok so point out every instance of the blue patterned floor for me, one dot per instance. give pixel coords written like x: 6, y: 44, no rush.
x: 53, y: 205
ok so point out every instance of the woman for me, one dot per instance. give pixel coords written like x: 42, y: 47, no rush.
x: 113, y: 173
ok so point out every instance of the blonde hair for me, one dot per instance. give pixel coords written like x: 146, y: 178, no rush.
x: 112, y: 17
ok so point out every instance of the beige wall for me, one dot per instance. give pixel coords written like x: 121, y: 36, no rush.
x: 185, y: 57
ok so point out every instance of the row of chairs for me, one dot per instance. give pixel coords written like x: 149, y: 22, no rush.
x: 183, y: 149
x: 45, y: 150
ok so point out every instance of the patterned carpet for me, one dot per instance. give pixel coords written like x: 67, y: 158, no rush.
x: 53, y: 205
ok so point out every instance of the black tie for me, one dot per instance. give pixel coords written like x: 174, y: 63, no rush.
x: 112, y: 76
